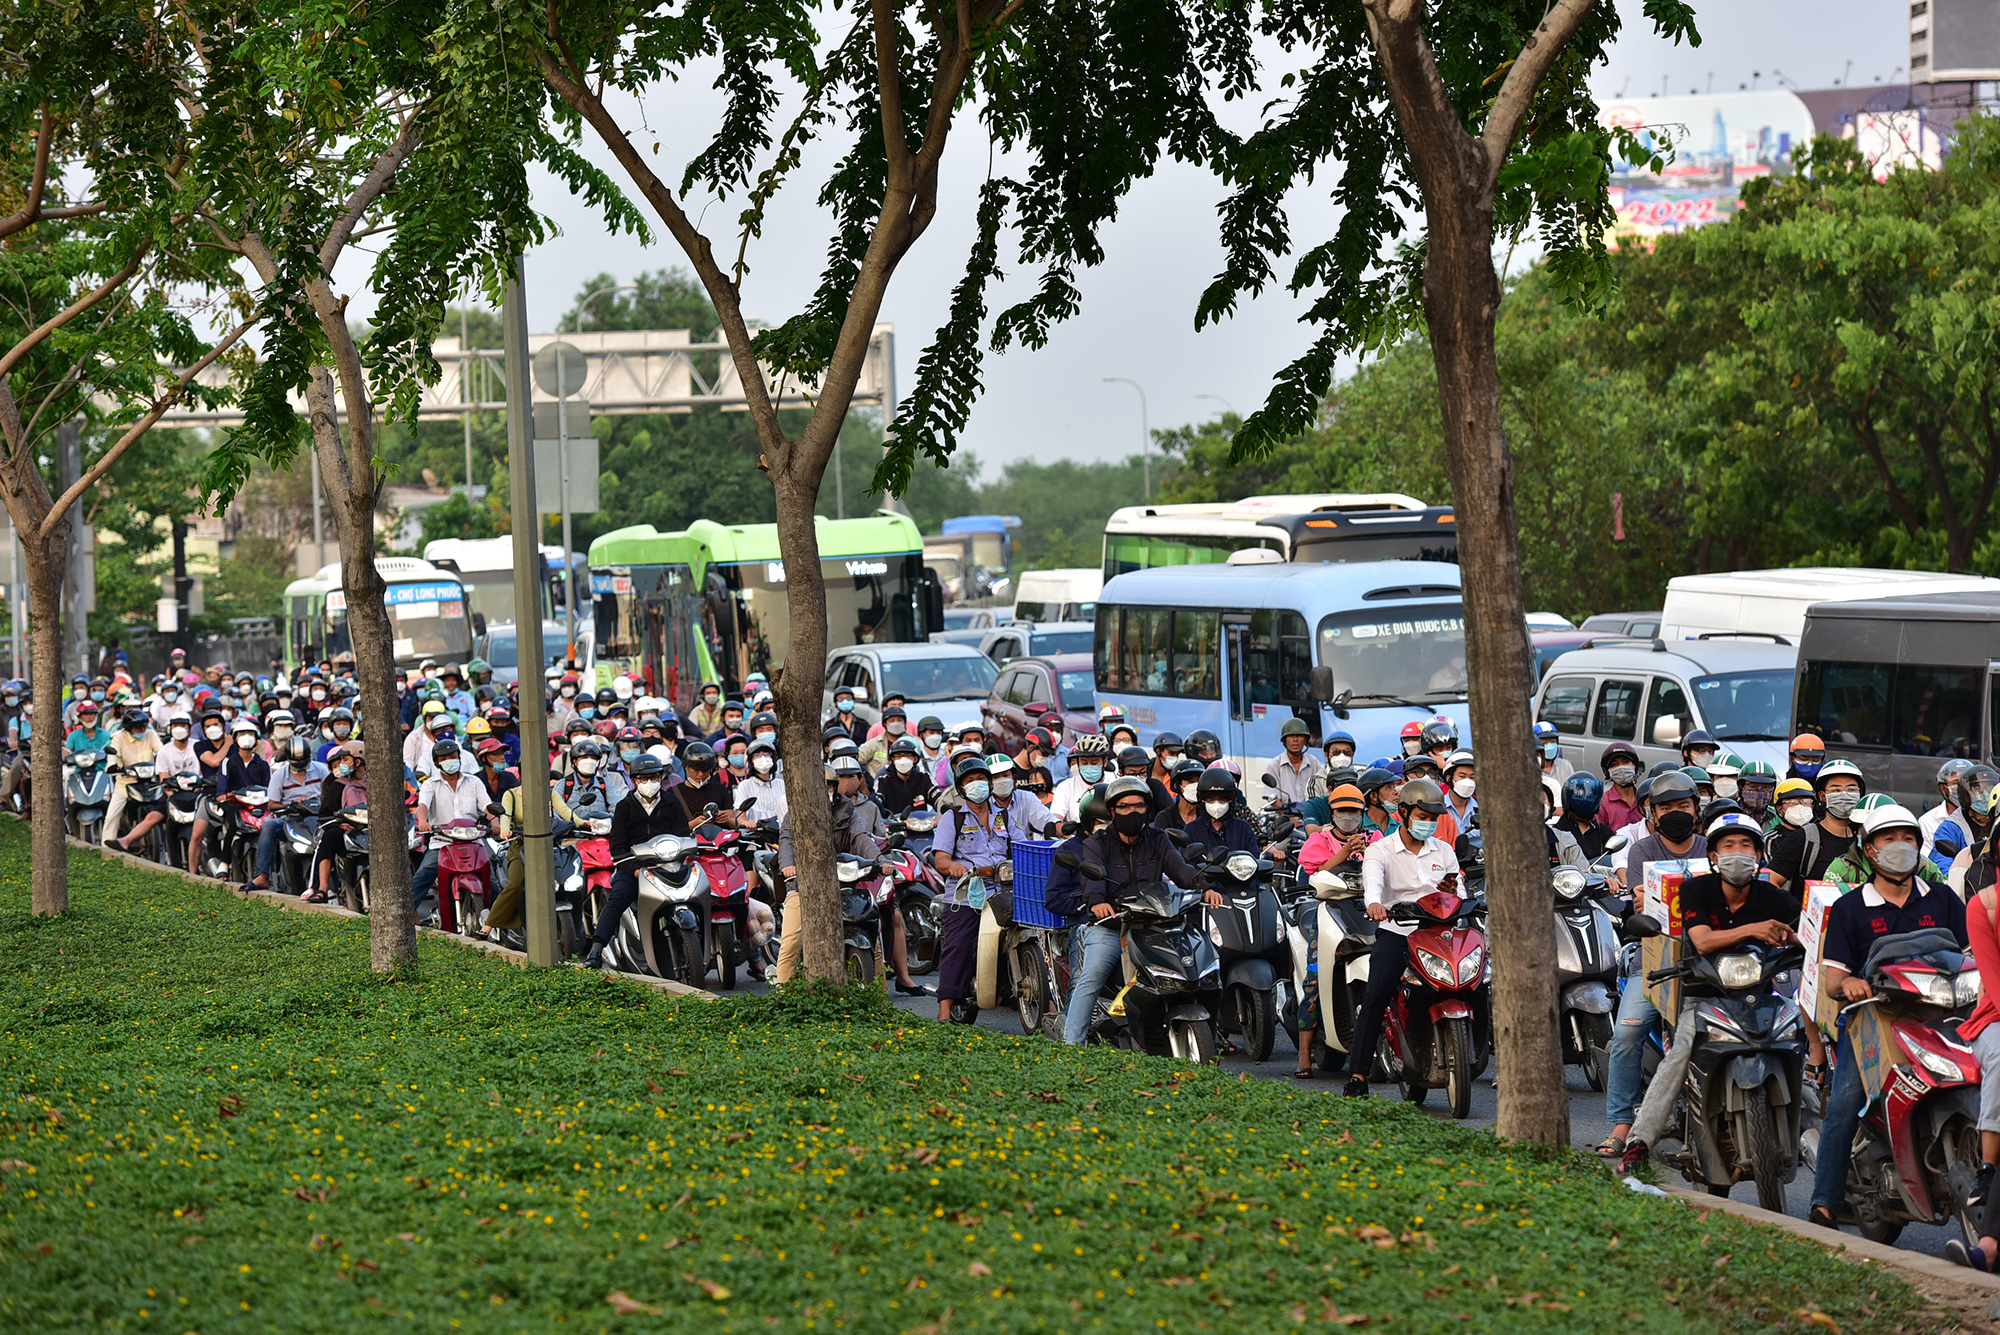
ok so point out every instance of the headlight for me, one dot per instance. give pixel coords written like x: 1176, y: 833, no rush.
x: 1469, y: 967
x: 1569, y: 882
x: 1241, y: 865
x: 1965, y: 988
x: 1739, y: 971
x: 921, y: 824
x: 358, y: 816
x: 1938, y: 989
x: 466, y: 833
x: 850, y: 872
x: 1437, y: 967
x: 301, y: 845
x: 1944, y: 1068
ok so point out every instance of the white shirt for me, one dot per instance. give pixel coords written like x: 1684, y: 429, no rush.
x: 1927, y: 824
x: 176, y: 758
x: 441, y: 801
x: 1559, y: 770
x: 1632, y: 833
x: 1068, y: 798
x: 1391, y: 874
x: 770, y: 795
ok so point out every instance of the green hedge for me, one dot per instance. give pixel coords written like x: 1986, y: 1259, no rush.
x: 216, y: 1119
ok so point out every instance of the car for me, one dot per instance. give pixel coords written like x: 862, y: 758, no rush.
x: 1006, y: 643
x: 972, y: 618
x: 496, y: 646
x: 1549, y: 621
x: 1650, y: 694
x: 1549, y: 645
x: 1058, y: 595
x: 951, y: 681
x: 1638, y: 625
x: 1037, y: 690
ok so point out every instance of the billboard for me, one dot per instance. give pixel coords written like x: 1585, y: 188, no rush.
x: 1718, y: 142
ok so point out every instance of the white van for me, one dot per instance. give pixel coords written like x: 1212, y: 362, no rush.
x: 1773, y: 603
x: 1057, y: 595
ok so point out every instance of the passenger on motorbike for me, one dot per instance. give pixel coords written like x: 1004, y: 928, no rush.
x: 973, y: 841
x: 1720, y: 909
x: 1895, y: 900
x: 1025, y: 813
x: 1381, y: 786
x: 1294, y: 767
x: 1087, y: 765
x: 339, y: 725
x: 346, y: 785
x: 1214, y: 827
x: 587, y: 788
x: 875, y: 750
x: 1184, y: 782
x: 732, y: 721
x: 1460, y: 797
x: 764, y: 784
x: 643, y: 814
x: 1621, y: 804
x: 703, y: 787
x: 1549, y: 755
x: 1804, y: 853
x: 1400, y: 869
x: 244, y: 770
x: 138, y: 745
x: 906, y: 781
x: 1044, y: 750
x: 448, y: 794
x: 857, y: 832
x: 1344, y: 838
x: 296, y: 778
x: 1978, y: 796
x: 493, y: 771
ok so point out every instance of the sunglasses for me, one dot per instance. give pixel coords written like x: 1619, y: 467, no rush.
x: 1037, y: 788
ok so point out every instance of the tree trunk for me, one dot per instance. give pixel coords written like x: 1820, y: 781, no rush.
x: 48, y: 853
x: 1461, y: 302
x: 392, y: 926
x: 798, y: 701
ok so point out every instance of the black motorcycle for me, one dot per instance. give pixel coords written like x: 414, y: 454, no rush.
x: 1169, y: 1007
x: 1248, y: 933
x: 298, y: 835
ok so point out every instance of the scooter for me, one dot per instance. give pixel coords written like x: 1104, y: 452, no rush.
x: 721, y: 858
x: 86, y: 794
x: 1428, y: 1042
x: 663, y: 933
x: 1248, y: 933
x: 298, y: 835
x: 1330, y: 908
x: 917, y: 892
x: 864, y: 889
x: 465, y: 877
x: 243, y: 816
x: 1917, y: 1149
x: 1173, y: 977
x: 186, y: 800
x: 1586, y: 967
x: 583, y: 880
x: 350, y: 868
x: 145, y: 793
x: 1739, y: 1106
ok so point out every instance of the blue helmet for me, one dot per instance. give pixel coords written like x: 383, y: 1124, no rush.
x: 1545, y: 731
x: 1582, y: 794
x: 1338, y: 736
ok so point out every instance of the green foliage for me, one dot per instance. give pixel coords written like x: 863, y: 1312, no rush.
x: 457, y: 517
x: 251, y: 580
x: 665, y: 299
x: 219, y: 1118
x: 1063, y: 506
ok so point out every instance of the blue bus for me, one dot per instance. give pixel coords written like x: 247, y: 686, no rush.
x: 1239, y: 648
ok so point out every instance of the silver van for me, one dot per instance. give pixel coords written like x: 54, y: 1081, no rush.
x: 1651, y: 693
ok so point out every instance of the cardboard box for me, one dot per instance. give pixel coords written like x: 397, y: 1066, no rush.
x: 1660, y: 888
x: 1658, y: 952
x: 1820, y: 896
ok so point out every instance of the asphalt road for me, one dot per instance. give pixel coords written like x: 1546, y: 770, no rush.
x: 1586, y: 1108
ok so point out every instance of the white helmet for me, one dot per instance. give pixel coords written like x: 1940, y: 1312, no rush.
x: 1889, y: 817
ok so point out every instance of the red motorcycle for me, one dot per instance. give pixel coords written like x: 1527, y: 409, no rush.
x: 1428, y: 1042
x: 465, y: 877
x: 721, y: 860
x: 243, y: 815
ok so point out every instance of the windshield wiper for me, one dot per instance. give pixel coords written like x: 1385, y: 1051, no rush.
x: 1341, y: 701
x: 1749, y: 737
x: 1457, y: 692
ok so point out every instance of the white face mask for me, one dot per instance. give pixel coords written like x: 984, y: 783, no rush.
x: 180, y: 734
x: 931, y: 739
x: 1798, y: 813
x: 1347, y: 822
x: 649, y: 788
x: 1463, y: 787
x: 281, y: 732
x: 1216, y: 809
x: 904, y: 764
x: 1725, y: 788
x: 763, y: 764
x: 214, y: 734
x: 1003, y: 788
x: 586, y: 766
x: 1188, y: 793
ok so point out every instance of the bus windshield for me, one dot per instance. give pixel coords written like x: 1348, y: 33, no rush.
x: 1142, y: 551
x: 1432, y: 544
x: 1401, y: 655
x: 428, y: 621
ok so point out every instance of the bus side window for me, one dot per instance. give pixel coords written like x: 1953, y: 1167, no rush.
x: 1196, y: 653
x: 1295, y: 659
x: 1110, y: 672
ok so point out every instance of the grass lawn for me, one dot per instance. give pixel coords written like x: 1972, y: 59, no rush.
x: 212, y: 1118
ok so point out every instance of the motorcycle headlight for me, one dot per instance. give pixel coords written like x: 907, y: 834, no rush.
x: 1569, y: 882
x: 1437, y: 967
x: 850, y: 872
x: 301, y: 845
x: 1965, y: 988
x: 920, y: 824
x: 1944, y: 1068
x: 1469, y: 967
x: 358, y: 816
x: 1241, y: 865
x: 1937, y: 989
x: 1739, y: 971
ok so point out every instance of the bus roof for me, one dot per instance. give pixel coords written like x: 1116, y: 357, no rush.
x: 1281, y: 584
x: 705, y: 542
x: 393, y: 569
x: 980, y: 524
x: 477, y: 555
x: 1250, y: 509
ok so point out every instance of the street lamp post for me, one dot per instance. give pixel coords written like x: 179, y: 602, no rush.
x: 1145, y: 431
x: 1227, y: 407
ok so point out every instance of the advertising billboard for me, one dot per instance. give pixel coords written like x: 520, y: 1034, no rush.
x: 1718, y: 142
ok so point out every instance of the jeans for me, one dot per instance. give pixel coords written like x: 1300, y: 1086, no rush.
x: 1386, y: 962
x: 1836, y: 1133
x: 624, y: 894
x: 267, y: 847
x: 1636, y: 1017
x: 1666, y: 1086
x: 1093, y: 962
x: 423, y: 886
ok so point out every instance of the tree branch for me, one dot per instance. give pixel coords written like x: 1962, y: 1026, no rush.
x: 1865, y: 428
x: 889, y: 85
x: 1423, y: 104
x: 79, y: 306
x: 1517, y: 93
x: 31, y: 209
x: 366, y: 193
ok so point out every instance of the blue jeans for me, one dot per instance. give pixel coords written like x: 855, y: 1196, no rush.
x: 1836, y: 1133
x: 267, y: 847
x: 424, y: 884
x: 1636, y: 1018
x: 1093, y: 961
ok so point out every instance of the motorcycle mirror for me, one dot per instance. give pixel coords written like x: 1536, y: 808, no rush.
x: 1194, y: 852
x: 1092, y: 871
x: 1615, y: 842
x: 495, y: 809
x: 1283, y: 831
x: 1639, y: 927
x: 1269, y: 780
x: 895, y: 841
x: 746, y: 803
x: 708, y: 813
x: 1265, y: 864
x: 1179, y: 837
x: 1068, y: 857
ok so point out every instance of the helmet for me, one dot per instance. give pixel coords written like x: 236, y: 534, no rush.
x: 648, y: 764
x: 1413, y: 729
x: 1839, y: 769
x: 1949, y: 771
x: 606, y: 697
x: 1125, y: 786
x: 1699, y: 737
x: 1134, y: 757
x: 698, y: 755
x: 342, y: 714
x: 87, y: 707
x: 1874, y: 800
x: 1440, y: 734
x: 930, y: 723
x: 1670, y: 787
x: 1184, y: 770
x: 1108, y: 713
x: 1041, y: 739
x: 888, y: 712
x: 136, y: 720
x: 843, y: 765
x: 1615, y: 752
x: 831, y: 731
x: 1345, y: 797
x: 500, y: 715
x: 1735, y: 822
x: 973, y: 766
x: 1420, y: 764
x: 1726, y: 765
x: 1545, y: 732
x: 1790, y: 788
x: 1455, y: 759
x: 1372, y: 779
x: 1337, y: 735
x: 298, y: 750
x: 1974, y: 793
x: 1582, y: 794
x: 1293, y: 727
x: 1696, y: 775
x: 999, y: 763
x: 478, y: 727
x: 1163, y: 740
x: 1757, y: 771
x: 621, y: 687
x: 278, y: 716
x: 443, y: 747
x: 1424, y: 795
x: 591, y: 748
x: 1093, y: 810
x: 1216, y: 785
x: 1890, y: 817
x: 1096, y: 744
x: 245, y: 724
x: 902, y: 746
x: 1808, y: 753
x: 1203, y: 745
x: 575, y: 726
x: 491, y: 747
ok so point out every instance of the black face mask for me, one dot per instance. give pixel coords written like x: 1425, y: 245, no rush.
x: 1129, y: 822
x: 1674, y: 826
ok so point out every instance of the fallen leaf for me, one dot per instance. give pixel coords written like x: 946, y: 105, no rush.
x: 655, y: 1086
x: 1298, y: 1312
x: 709, y: 1287
x: 857, y: 1079
x: 686, y: 1196
x: 1340, y: 1318
x: 496, y: 1300
x: 735, y: 1136
x: 482, y: 1223
x: 1439, y: 1162
x: 916, y: 1282
x: 11, y: 1164
x: 1818, y: 1319
x: 229, y: 1105
x: 625, y: 1305
x: 366, y: 1264
x: 675, y: 1070
x: 1451, y: 1270
x: 1553, y: 1307
x: 1344, y: 1138
x: 1722, y: 1260
x: 407, y: 1237
x: 1221, y: 1301
x: 979, y: 1268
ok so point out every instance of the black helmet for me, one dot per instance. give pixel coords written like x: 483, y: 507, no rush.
x: 904, y: 746
x: 1217, y: 785
x: 591, y: 748
x: 1699, y: 737
x: 1204, y: 746
x: 761, y: 719
x: 1370, y: 780
x: 698, y: 755
x: 1671, y: 787
x: 1975, y: 791
x: 1094, y: 810
x: 1124, y: 786
x: 1424, y: 795
x: 969, y: 768
x: 831, y: 731
x: 1134, y: 757
x: 444, y: 746
x: 1582, y: 795
x: 136, y: 720
x: 1184, y: 769
x: 1439, y: 732
x: 341, y: 714
x: 298, y: 750
x: 1163, y: 740
x: 646, y: 764
x: 606, y: 697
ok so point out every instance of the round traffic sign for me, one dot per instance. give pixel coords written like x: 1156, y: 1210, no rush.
x: 564, y: 359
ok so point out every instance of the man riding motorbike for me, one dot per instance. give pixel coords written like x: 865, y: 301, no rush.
x: 643, y: 814
x: 857, y: 832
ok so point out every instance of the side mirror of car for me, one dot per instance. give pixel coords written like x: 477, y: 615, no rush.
x: 1667, y: 731
x: 479, y: 623
x: 1039, y: 708
x: 1320, y: 685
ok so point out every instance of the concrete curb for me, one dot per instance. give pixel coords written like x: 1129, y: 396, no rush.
x: 295, y: 905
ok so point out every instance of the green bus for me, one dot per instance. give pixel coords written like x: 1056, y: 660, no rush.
x: 708, y: 603
x: 427, y: 614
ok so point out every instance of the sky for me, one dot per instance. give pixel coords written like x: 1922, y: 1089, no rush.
x: 1137, y: 319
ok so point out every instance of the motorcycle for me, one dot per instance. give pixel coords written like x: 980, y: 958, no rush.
x: 350, y: 868
x: 1587, y: 958
x: 298, y: 835
x: 583, y: 879
x: 1330, y: 906
x: 1173, y: 977
x: 243, y: 816
x: 186, y: 800
x: 864, y: 889
x: 144, y: 792
x: 721, y: 858
x: 1430, y: 1041
x: 917, y: 887
x: 663, y: 933
x: 86, y: 794
x: 1248, y: 933
x: 465, y: 885
x: 1738, y: 1111
x: 1917, y: 1148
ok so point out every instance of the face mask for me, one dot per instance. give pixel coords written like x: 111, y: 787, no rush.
x: 931, y: 739
x: 213, y: 734
x: 1622, y: 775
x: 1090, y: 773
x: 170, y: 695
x: 1841, y: 802
x: 1422, y: 829
x: 180, y: 734
x: 1463, y: 787
x: 344, y: 771
x: 739, y: 762
x: 977, y: 791
x: 1798, y: 813
x: 1388, y: 798
x: 1339, y: 759
x: 1701, y: 759
x: 1217, y: 810
x: 1674, y: 826
x: 343, y: 730
x: 1347, y: 822
x: 895, y: 727
x: 586, y: 766
x: 733, y: 722
x: 649, y: 788
x: 1897, y: 859
x: 1411, y: 747
x: 764, y: 734
x: 281, y: 733
x: 764, y: 764
x: 1550, y: 750
x: 904, y: 764
x: 844, y: 706
x: 448, y: 766
x: 1725, y: 788
x: 1755, y: 800
x: 1736, y: 868
x: 628, y: 756
x: 97, y: 696
x: 1129, y: 822
x: 710, y: 699
x: 1187, y: 793
x: 588, y: 711
x: 1807, y: 769
x: 1003, y: 789
x: 569, y: 692
x: 319, y: 694
x: 246, y: 742
x: 1983, y: 802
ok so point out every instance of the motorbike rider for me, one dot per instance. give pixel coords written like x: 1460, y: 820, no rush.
x: 1295, y: 767
x: 1439, y: 740
x: 491, y: 757
x: 1215, y: 826
x: 1895, y: 900
x: 1971, y: 867
x: 1461, y: 803
x: 857, y: 832
x: 137, y: 744
x: 732, y: 721
x: 433, y: 723
x: 930, y: 740
x: 1699, y: 748
x: 1946, y: 809
x: 456, y: 698
x: 843, y: 715
x: 1719, y: 909
x: 1620, y: 805
x: 945, y: 772
x: 905, y: 781
x: 1581, y: 796
x: 1344, y: 839
x: 703, y: 787
x: 564, y: 707
x: 1756, y: 787
x: 1134, y: 762
x: 1801, y: 855
x: 296, y: 777
x: 1380, y: 787
x: 875, y: 750
x: 643, y: 814
x: 1024, y: 810
x: 346, y: 785
x: 762, y: 783
x: 1203, y: 745
x: 587, y: 788
x: 1093, y: 944
x: 706, y: 716
x: 1184, y: 782
x: 1087, y: 761
x: 973, y: 841
x: 447, y: 795
x: 243, y: 770
x: 1548, y: 754
x: 1132, y: 853
x: 1166, y: 754
x: 1044, y: 750
x: 1808, y: 754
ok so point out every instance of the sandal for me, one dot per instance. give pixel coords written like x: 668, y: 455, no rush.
x: 1816, y: 1072
x: 1822, y: 1216
x: 1611, y: 1147
x: 1304, y: 1073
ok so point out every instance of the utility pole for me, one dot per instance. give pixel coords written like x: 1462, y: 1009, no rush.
x: 532, y: 709
x: 465, y: 394
x: 569, y: 571
x: 1145, y: 431
x: 183, y: 586
x: 319, y: 540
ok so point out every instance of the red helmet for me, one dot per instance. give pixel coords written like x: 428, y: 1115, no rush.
x: 1041, y: 739
x: 1413, y: 730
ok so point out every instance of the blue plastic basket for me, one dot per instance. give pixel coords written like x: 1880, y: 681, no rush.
x: 1032, y: 860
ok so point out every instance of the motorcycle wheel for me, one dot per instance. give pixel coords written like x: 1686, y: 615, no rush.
x: 470, y: 913
x: 860, y: 964
x: 1597, y: 1050
x: 1191, y: 1041
x: 565, y: 936
x: 921, y: 940
x: 1409, y: 1084
x: 1884, y: 1231
x: 1457, y: 1039
x: 1258, y: 1016
x: 1031, y: 991
x: 1960, y: 1142
x: 687, y: 968
x: 1760, y: 1132
x: 725, y: 955
x: 356, y: 893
